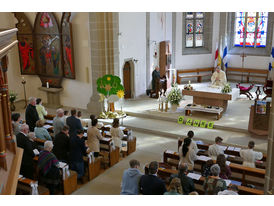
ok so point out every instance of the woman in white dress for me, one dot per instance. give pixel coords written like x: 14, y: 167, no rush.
x: 116, y: 133
x: 187, y: 154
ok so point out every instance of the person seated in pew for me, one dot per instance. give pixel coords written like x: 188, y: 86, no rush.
x: 61, y: 145
x: 58, y: 122
x: 49, y: 172
x: 31, y: 136
x: 206, y: 168
x: 40, y: 109
x: 231, y: 190
x: 116, y: 133
x: 94, y: 137
x: 194, y: 193
x: 187, y: 154
x: 16, y: 122
x: 131, y: 178
x: 214, y: 150
x: 186, y: 182
x: 225, y: 169
x: 41, y: 132
x: 249, y: 156
x: 77, y: 150
x: 218, y: 78
x: 23, y: 142
x: 214, y: 184
x: 175, y: 187
x: 151, y: 184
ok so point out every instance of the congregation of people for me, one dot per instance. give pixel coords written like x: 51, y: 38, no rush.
x: 68, y: 144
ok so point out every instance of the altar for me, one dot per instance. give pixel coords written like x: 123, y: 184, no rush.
x: 203, y: 94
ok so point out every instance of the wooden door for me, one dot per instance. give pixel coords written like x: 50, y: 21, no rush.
x: 126, y: 75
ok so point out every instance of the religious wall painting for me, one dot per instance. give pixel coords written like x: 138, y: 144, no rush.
x: 67, y: 46
x: 25, y: 44
x: 48, y: 49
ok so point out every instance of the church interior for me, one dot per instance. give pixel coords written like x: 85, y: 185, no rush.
x: 170, y: 79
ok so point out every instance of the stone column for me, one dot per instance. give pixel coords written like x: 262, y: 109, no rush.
x: 104, y: 28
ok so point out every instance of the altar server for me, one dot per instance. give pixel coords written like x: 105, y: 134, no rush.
x: 249, y: 156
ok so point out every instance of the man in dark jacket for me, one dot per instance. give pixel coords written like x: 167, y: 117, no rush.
x: 61, y: 145
x: 186, y: 182
x: 27, y: 161
x: 31, y: 114
x: 77, y: 151
x: 150, y: 184
x: 74, y: 123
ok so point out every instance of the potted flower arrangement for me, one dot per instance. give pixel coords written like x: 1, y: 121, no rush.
x: 13, y: 97
x: 226, y: 88
x: 174, y: 97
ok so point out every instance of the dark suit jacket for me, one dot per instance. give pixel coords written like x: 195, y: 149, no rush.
x: 151, y: 185
x: 61, y: 146
x: 77, y: 149
x: 31, y: 116
x: 74, y: 125
x: 26, y: 144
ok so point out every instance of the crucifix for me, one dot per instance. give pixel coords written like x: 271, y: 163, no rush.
x: 243, y: 55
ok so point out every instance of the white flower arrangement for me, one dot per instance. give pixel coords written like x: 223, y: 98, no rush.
x: 175, y: 95
x: 226, y: 88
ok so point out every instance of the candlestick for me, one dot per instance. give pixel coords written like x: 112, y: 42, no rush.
x: 47, y: 84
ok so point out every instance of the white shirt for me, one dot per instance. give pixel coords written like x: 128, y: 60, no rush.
x: 249, y: 156
x: 227, y: 192
x: 117, y: 135
x: 214, y: 150
x: 189, y: 158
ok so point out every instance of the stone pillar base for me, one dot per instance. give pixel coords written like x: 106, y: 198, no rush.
x: 53, y: 95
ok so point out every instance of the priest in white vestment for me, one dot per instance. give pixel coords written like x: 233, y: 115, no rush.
x: 218, y: 78
x: 249, y: 156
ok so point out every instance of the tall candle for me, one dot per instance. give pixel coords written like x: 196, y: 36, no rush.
x: 47, y: 84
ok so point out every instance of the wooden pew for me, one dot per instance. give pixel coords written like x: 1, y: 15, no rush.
x: 113, y: 154
x: 204, y: 146
x: 24, y: 188
x: 167, y: 172
x: 93, y: 168
x: 199, y: 73
x: 247, y: 73
x: 235, y: 168
x: 69, y: 184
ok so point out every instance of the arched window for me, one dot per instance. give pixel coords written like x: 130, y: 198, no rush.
x: 197, y: 32
x: 250, y: 29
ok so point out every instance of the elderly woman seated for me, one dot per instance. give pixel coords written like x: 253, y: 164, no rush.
x: 214, y: 184
x: 41, y: 132
x: 49, y: 173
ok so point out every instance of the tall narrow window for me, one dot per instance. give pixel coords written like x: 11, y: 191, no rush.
x: 194, y: 29
x: 250, y: 29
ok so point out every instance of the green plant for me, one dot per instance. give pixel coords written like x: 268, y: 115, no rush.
x: 13, y: 96
x: 175, y: 95
x: 227, y: 88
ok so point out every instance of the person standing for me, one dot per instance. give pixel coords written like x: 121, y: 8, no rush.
x: 218, y: 78
x: 40, y: 109
x: 78, y: 149
x: 116, y: 133
x: 16, y: 123
x: 74, y: 123
x: 131, y: 178
x: 61, y: 145
x: 58, y: 122
x: 249, y: 156
x: 94, y: 137
x: 27, y: 161
x: 155, y: 77
x: 151, y: 184
x: 214, y: 150
x: 31, y: 114
x: 187, y: 154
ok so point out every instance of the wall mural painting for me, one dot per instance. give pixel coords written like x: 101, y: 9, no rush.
x: 67, y: 46
x: 48, y: 49
x: 25, y: 44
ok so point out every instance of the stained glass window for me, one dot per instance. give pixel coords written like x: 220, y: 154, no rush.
x: 250, y: 29
x: 194, y: 27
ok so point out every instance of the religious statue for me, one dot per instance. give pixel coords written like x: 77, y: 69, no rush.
x: 218, y: 78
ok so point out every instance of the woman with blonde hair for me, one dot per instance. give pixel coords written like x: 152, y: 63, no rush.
x: 41, y: 132
x: 175, y: 187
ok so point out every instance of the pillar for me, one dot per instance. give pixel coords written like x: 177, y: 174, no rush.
x: 104, y: 27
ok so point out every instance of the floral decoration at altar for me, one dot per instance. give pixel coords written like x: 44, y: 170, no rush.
x: 175, y: 95
x: 110, y: 89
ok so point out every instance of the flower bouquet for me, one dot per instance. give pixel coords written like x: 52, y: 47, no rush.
x: 188, y: 86
x: 175, y: 95
x: 226, y: 88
